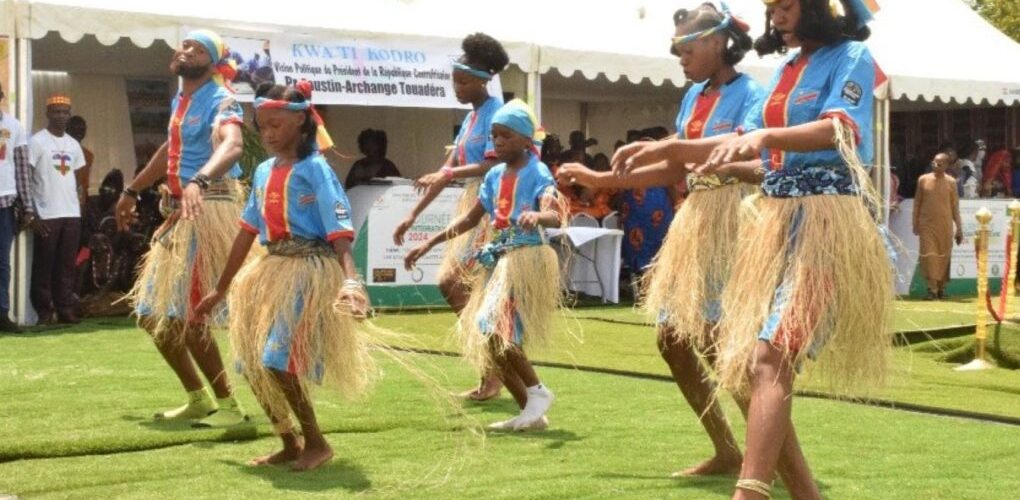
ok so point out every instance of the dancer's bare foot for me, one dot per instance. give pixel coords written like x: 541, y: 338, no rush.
x: 311, y: 458
x: 712, y: 467
x: 292, y: 448
x: 489, y: 388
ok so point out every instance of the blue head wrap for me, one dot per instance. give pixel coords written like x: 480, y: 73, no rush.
x: 517, y: 116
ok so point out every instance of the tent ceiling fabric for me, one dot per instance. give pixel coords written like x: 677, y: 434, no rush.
x: 620, y: 39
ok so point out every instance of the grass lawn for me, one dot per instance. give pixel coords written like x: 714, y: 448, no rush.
x: 75, y: 424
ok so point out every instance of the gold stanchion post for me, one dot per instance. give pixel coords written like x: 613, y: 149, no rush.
x: 984, y: 218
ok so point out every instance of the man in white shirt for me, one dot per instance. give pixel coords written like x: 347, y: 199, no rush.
x: 57, y: 161
x: 15, y: 186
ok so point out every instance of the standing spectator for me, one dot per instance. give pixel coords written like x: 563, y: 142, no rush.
x: 57, y: 162
x: 372, y: 144
x: 998, y: 173
x: 936, y: 210
x: 970, y: 178
x: 15, y: 186
x: 76, y: 128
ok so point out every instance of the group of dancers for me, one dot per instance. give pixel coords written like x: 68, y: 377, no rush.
x: 774, y: 258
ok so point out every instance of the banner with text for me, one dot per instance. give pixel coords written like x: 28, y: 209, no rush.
x: 386, y: 259
x: 354, y: 71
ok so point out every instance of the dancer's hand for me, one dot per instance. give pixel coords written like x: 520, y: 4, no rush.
x: 738, y: 148
x: 356, y: 300
x: 528, y: 220
x: 576, y: 174
x: 401, y: 230
x: 412, y: 257
x: 211, y: 299
x: 191, y: 201
x: 427, y: 181
x: 959, y: 236
x: 639, y: 154
x: 125, y: 212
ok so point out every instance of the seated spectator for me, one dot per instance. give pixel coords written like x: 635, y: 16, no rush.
x: 998, y: 178
x: 597, y: 203
x: 374, y: 165
x: 552, y: 152
x: 107, y: 260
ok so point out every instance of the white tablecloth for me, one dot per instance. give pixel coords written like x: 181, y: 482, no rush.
x: 594, y: 260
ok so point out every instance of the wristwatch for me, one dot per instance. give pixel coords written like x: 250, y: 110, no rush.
x: 132, y: 193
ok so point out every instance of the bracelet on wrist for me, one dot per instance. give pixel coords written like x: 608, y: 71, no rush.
x: 447, y: 172
x: 132, y: 193
x: 201, y: 180
x: 353, y: 284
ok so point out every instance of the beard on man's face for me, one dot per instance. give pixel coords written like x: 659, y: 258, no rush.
x: 190, y: 72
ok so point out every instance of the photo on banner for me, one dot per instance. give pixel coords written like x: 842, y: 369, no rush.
x: 354, y: 72
x: 253, y: 58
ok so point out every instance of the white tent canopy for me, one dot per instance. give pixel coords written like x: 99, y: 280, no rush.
x: 932, y: 50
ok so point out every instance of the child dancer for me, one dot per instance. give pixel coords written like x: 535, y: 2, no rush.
x: 293, y: 313
x: 516, y: 286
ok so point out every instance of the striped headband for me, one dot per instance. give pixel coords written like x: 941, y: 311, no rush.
x: 263, y: 103
x: 728, y: 20
x: 459, y: 66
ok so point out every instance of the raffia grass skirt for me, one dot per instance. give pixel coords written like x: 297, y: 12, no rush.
x: 514, y: 301
x: 184, y: 263
x: 813, y: 277
x: 297, y: 295
x: 457, y: 250
x: 683, y: 286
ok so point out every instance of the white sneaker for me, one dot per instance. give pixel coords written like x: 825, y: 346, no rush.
x: 539, y: 425
x: 539, y: 401
x: 504, y: 425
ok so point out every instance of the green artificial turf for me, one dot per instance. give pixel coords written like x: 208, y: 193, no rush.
x: 75, y: 424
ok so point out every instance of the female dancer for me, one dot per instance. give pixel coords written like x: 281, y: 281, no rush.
x: 685, y: 281
x: 472, y: 156
x: 513, y: 291
x: 284, y: 326
x: 812, y: 278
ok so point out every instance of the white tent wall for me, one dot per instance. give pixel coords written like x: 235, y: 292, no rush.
x: 560, y: 117
x: 102, y: 101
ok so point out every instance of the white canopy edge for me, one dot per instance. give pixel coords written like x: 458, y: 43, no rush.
x: 969, y: 63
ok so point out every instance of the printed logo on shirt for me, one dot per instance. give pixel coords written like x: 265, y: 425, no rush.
x: 341, y: 211
x: 192, y: 120
x: 695, y: 126
x: 62, y: 162
x: 722, y: 126
x: 806, y: 96
x: 306, y: 199
x: 852, y: 93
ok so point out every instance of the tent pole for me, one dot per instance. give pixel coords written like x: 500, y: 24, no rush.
x: 23, y: 111
x: 535, y: 93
